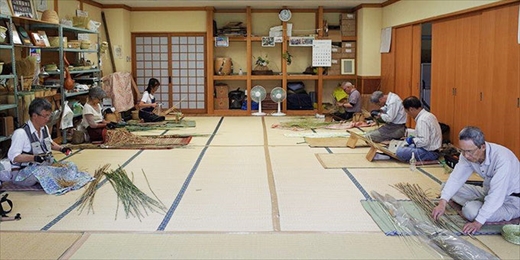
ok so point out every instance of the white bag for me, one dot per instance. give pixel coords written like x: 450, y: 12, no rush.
x: 68, y: 116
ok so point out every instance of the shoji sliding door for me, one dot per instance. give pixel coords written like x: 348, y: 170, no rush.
x: 178, y: 62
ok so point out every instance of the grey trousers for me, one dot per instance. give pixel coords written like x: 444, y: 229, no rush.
x: 386, y: 133
x: 471, y: 198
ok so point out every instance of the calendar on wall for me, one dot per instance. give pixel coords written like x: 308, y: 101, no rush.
x: 321, y: 53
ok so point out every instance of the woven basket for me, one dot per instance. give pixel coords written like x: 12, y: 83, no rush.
x: 50, y: 16
x: 26, y: 84
x: 74, y: 44
x: 81, y: 22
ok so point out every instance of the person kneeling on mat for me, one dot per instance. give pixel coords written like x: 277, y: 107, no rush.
x: 148, y: 104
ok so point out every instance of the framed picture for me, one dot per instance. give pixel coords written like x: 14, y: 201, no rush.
x: 301, y: 41
x: 348, y: 66
x: 221, y: 41
x: 268, y: 42
x: 23, y: 8
x: 5, y: 8
x: 16, y: 37
x: 44, y: 37
x: 24, y: 36
x: 37, y: 39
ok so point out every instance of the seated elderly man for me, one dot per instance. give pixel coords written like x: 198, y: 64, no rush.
x: 499, y: 197
x: 428, y: 135
x: 31, y: 155
x: 392, y: 113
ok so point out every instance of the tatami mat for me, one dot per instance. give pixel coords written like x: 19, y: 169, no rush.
x: 240, y: 189
x: 249, y: 246
x: 380, y: 180
x: 240, y: 130
x: 35, y: 245
x: 229, y: 192
x: 441, y: 174
x: 313, y: 198
x: 354, y: 160
x: 331, y: 142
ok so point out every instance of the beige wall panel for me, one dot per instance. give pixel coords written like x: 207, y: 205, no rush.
x: 170, y: 21
x: 406, y: 11
x: 118, y: 23
x: 369, y: 41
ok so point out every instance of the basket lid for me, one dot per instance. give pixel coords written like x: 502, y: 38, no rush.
x: 50, y: 16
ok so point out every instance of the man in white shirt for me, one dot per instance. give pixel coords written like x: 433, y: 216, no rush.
x: 499, y: 197
x: 392, y: 112
x: 428, y: 133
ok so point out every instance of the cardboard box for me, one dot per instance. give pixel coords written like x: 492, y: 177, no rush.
x: 221, y: 103
x: 345, y: 45
x: 6, y: 126
x: 348, y: 27
x: 221, y: 90
x: 349, y: 53
x: 350, y: 16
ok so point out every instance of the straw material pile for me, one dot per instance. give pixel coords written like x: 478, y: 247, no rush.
x: 122, y: 137
x: 135, y: 202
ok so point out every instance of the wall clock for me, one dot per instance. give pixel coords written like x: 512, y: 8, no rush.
x: 285, y: 15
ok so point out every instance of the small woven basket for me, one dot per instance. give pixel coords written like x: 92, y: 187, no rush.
x: 74, y: 44
x: 81, y: 22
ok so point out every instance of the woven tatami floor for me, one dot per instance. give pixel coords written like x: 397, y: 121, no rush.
x: 240, y: 190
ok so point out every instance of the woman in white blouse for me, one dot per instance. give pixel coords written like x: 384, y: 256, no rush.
x: 148, y: 104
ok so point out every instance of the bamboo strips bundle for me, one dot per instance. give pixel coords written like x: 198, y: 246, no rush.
x: 135, y: 202
x: 422, y: 199
x: 87, y: 199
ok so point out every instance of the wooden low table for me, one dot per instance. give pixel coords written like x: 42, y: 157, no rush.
x: 374, y: 147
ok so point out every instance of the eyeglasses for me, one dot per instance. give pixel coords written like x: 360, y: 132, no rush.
x: 46, y: 117
x: 469, y: 152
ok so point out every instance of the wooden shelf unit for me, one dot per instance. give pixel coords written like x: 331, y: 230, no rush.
x: 251, y: 42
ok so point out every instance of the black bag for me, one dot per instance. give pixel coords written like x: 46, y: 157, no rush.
x: 299, y: 102
x: 3, y: 212
x: 296, y: 88
x: 236, y: 97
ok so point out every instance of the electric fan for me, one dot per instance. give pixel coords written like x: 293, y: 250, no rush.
x: 257, y: 95
x: 278, y: 95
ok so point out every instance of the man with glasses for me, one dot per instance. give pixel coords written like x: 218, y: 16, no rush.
x: 352, y: 105
x: 499, y: 197
x: 31, y: 154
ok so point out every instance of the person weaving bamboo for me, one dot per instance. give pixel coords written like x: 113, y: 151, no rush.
x: 93, y: 120
x: 499, y: 197
x: 148, y: 104
x: 31, y: 157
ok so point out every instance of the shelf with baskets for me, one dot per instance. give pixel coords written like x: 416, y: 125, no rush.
x: 62, y: 44
x: 9, y: 115
x: 289, y: 62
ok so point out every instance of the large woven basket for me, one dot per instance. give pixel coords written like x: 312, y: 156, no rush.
x: 50, y: 16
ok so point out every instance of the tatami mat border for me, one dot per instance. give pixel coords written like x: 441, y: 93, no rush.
x: 77, y: 203
x: 179, y: 196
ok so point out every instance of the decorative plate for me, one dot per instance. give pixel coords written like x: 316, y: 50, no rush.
x: 285, y: 15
